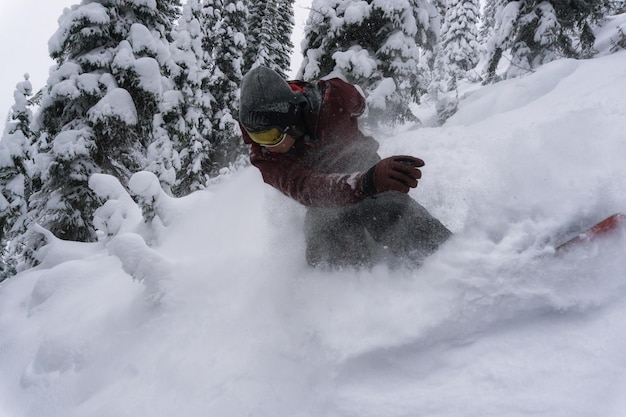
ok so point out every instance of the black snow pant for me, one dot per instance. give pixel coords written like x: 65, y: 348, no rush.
x: 391, y: 227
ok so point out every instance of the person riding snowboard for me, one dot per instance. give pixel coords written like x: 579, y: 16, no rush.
x: 305, y: 140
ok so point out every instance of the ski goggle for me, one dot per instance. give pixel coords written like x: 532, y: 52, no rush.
x: 268, y: 138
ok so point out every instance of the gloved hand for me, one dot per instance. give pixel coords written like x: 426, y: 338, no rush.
x: 396, y: 173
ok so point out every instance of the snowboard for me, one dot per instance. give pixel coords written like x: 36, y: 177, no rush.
x: 607, y: 227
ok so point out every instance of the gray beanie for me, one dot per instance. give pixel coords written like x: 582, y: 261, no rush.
x: 267, y: 101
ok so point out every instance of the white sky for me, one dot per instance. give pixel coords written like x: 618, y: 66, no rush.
x: 26, y: 26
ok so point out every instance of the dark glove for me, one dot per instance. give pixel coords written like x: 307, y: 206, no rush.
x: 396, y: 173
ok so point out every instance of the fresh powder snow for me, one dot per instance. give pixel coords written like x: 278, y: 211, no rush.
x: 211, y: 309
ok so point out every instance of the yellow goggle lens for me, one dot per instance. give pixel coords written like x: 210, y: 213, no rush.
x: 268, y: 138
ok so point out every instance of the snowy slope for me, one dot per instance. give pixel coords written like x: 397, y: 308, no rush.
x: 221, y: 316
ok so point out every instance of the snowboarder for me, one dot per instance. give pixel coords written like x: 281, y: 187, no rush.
x: 305, y: 140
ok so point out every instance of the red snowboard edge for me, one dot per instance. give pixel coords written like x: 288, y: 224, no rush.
x: 605, y: 227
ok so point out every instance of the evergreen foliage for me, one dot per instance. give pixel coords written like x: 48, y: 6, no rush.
x: 15, y: 176
x: 225, y: 43
x: 617, y: 7
x: 459, y: 37
x: 535, y: 32
x: 100, y: 111
x: 269, y: 35
x: 457, y: 54
x: 384, y: 47
x: 488, y: 19
x: 194, y: 112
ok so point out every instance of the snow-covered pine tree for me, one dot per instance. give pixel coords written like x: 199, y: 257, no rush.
x: 617, y: 6
x: 539, y: 39
x: 100, y: 109
x: 226, y: 42
x: 381, y: 46
x: 459, y: 37
x: 144, y: 69
x: 15, y: 176
x: 499, y: 36
x: 269, y: 35
x: 457, y: 54
x: 440, y: 7
x: 191, y: 77
x: 534, y: 32
x: 283, y: 25
x: 487, y: 19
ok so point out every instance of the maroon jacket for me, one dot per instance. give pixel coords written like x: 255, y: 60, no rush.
x: 325, y: 170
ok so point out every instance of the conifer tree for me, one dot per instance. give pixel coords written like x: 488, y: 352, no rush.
x: 100, y: 110
x: 15, y: 176
x: 499, y: 39
x: 269, y: 35
x: 383, y: 47
x: 616, y: 7
x: 535, y: 32
x: 191, y: 77
x: 459, y: 37
x: 457, y: 54
x: 537, y: 41
x: 487, y: 19
x: 225, y: 42
x: 283, y: 25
